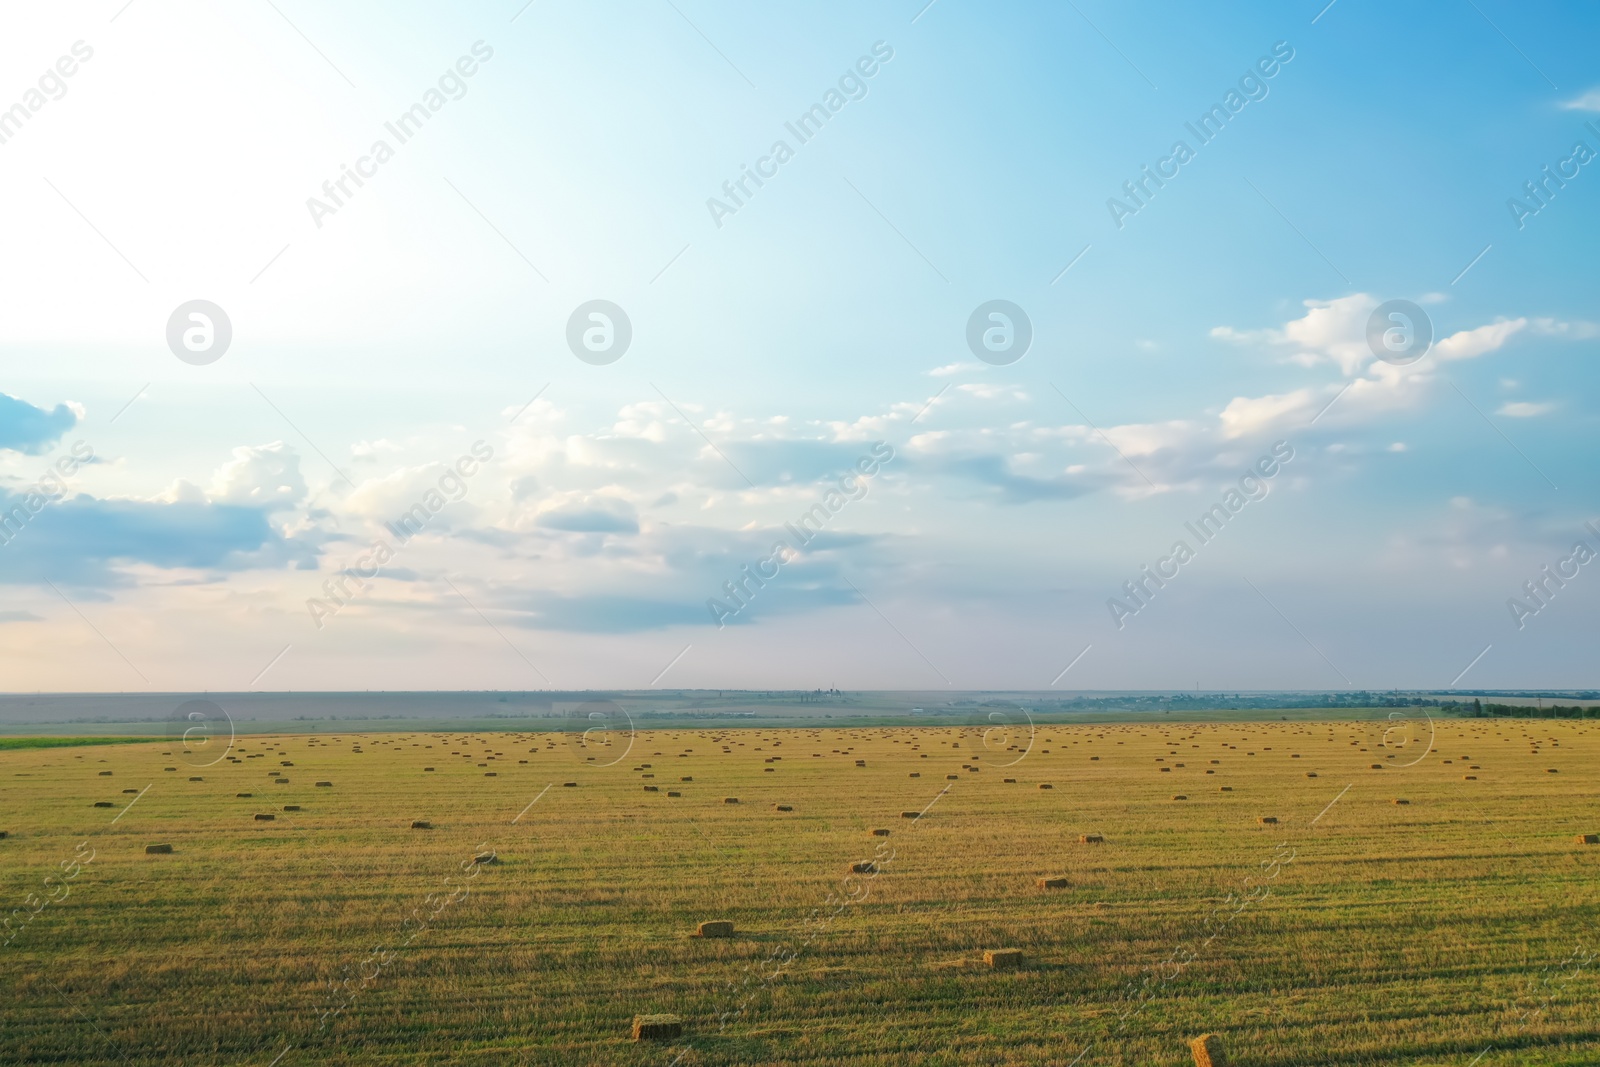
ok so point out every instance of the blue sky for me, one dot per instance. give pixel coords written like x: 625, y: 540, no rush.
x: 375, y: 346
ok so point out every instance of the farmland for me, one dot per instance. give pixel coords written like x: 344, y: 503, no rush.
x: 1353, y: 929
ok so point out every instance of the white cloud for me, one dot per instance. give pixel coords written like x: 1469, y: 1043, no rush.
x: 1589, y: 101
x: 1246, y: 414
x: 991, y: 391
x: 386, y: 499
x: 1335, y: 331
x: 1331, y: 331
x: 370, y: 451
x: 260, y: 476
x: 1469, y: 344
x: 1576, y: 331
x: 1522, y: 409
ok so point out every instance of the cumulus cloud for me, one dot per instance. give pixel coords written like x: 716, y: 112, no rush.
x: 263, y: 476
x: 386, y: 499
x: 1331, y: 331
x: 1335, y: 331
x: 32, y: 430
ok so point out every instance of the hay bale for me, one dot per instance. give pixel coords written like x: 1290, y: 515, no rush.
x: 687, y: 778
x: 861, y: 763
x: 1207, y: 1049
x: 157, y: 850
x: 102, y: 803
x: 783, y: 807
x: 291, y: 807
x: 4, y: 834
x: 244, y: 794
x: 265, y: 816
x: 486, y: 857
x: 105, y: 774
x: 673, y: 793
x: 911, y: 814
x: 1583, y: 839
x: 427, y: 768
x: 1009, y: 781
x: 864, y: 867
x: 1051, y: 883
x: 196, y: 778
x: 1401, y: 800
x: 1551, y: 770
x: 1003, y: 959
x: 320, y: 785
x: 1311, y: 774
x: 880, y: 833
x: 657, y: 1027
x: 715, y: 928
x: 916, y: 774
x: 730, y: 800
x: 1046, y: 785
x: 951, y: 777
x: 1268, y: 820
x: 1225, y: 789
x: 1091, y: 839
x: 1469, y: 777
x: 1179, y: 796
x: 421, y: 824
x: 496, y: 774
x: 652, y: 789
x: 1376, y: 767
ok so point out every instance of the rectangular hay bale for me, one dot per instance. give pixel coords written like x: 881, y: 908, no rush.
x: 1003, y: 959
x: 657, y: 1027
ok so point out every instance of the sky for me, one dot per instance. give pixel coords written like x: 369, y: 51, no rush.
x: 1089, y: 346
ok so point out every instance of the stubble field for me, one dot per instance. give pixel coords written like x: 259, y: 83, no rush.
x: 1353, y: 930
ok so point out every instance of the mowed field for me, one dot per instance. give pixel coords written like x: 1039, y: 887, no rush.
x: 1352, y: 930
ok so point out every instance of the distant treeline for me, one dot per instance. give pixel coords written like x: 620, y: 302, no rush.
x: 68, y: 742
x: 1554, y: 711
x: 1251, y: 701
